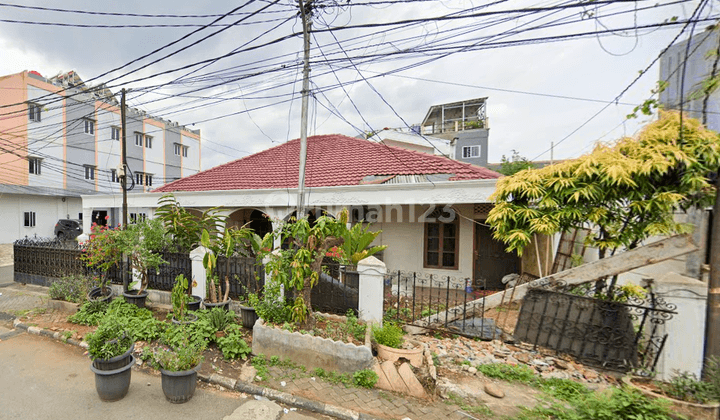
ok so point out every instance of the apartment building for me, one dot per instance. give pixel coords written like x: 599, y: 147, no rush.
x: 60, y: 138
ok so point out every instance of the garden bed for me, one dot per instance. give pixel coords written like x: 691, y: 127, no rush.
x: 311, y: 351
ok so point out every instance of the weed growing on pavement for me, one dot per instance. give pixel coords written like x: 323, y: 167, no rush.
x: 366, y: 378
x: 333, y: 377
x: 260, y: 364
x: 481, y: 409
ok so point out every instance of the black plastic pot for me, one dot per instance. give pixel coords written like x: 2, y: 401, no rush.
x: 249, y: 316
x: 179, y: 387
x: 135, y: 298
x: 115, y: 362
x: 113, y: 385
x: 194, y: 304
x: 225, y: 305
x: 97, y: 293
x: 189, y: 319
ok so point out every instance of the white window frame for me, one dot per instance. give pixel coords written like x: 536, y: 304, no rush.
x: 139, y: 139
x: 89, y: 172
x: 34, y: 112
x: 115, y: 133
x: 185, y: 151
x: 467, y: 151
x: 29, y: 219
x: 178, y: 148
x: 89, y: 126
x: 148, y: 141
x: 35, y: 165
x: 139, y: 178
x: 148, y: 180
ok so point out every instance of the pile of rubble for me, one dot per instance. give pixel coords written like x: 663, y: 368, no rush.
x: 463, y: 354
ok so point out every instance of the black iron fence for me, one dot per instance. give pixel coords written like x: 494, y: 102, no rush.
x: 337, y: 289
x: 436, y: 302
x: 164, y: 277
x: 622, y: 336
x: 38, y: 259
x: 244, y: 274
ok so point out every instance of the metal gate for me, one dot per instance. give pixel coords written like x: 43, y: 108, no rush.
x: 621, y: 336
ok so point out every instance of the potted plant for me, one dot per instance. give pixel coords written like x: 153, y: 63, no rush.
x: 389, y: 344
x: 178, y: 368
x: 110, y: 347
x: 100, y: 253
x: 180, y: 301
x: 355, y: 248
x: 142, y: 242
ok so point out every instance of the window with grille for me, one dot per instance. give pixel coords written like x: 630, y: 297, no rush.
x: 29, y: 219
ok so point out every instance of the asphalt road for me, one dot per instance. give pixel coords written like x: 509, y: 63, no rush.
x: 41, y: 378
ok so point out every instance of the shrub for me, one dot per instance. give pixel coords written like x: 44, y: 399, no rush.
x: 90, y: 313
x: 72, y: 288
x: 365, y: 378
x: 388, y: 335
x: 109, y: 340
x: 233, y: 346
x: 685, y: 386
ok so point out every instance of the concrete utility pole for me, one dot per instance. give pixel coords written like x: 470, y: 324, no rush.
x: 123, y: 123
x: 305, y: 13
x: 124, y: 159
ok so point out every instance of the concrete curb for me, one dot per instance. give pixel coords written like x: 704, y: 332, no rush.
x: 228, y: 383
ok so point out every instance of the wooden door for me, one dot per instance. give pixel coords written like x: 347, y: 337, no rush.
x: 492, y: 263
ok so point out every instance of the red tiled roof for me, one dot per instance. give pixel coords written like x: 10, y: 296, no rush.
x: 332, y: 160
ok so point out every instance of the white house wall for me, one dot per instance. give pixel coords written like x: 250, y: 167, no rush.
x: 191, y: 163
x: 109, y: 150
x: 406, y: 239
x: 48, y: 210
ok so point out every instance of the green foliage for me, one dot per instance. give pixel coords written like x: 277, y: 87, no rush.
x: 629, y: 191
x: 109, y: 340
x: 685, y: 386
x: 184, y: 356
x: 72, y: 288
x: 333, y: 377
x: 90, y: 313
x: 388, y: 335
x: 271, y: 306
x: 354, y: 327
x: 180, y: 297
x: 563, y: 389
x: 517, y: 373
x: 219, y: 318
x: 233, y: 346
x: 184, y: 227
x: 619, y: 403
x: 299, y: 268
x: 366, y: 378
x: 261, y: 367
x: 356, y: 245
x: 515, y: 164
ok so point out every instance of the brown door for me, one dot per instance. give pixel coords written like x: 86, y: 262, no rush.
x: 492, y: 263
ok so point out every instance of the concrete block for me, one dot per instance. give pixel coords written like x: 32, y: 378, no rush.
x: 396, y: 382
x: 414, y: 386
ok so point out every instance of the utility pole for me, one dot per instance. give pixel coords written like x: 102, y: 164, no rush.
x: 123, y: 183
x: 124, y: 159
x: 305, y: 13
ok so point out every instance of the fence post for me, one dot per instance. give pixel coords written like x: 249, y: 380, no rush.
x: 684, y: 348
x: 198, y: 271
x: 371, y: 289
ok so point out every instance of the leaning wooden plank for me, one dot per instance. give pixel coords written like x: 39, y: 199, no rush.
x: 653, y: 253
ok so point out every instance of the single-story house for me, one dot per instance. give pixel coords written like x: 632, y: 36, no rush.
x: 431, y: 209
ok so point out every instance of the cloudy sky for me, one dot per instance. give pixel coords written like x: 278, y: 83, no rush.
x: 546, y: 67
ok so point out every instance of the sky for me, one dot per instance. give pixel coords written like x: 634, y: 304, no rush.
x: 551, y: 70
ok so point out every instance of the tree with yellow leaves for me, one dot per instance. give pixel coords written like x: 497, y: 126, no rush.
x: 626, y: 192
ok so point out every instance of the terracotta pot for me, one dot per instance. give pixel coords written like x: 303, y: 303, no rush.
x: 219, y: 334
x: 414, y: 355
x: 709, y: 411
